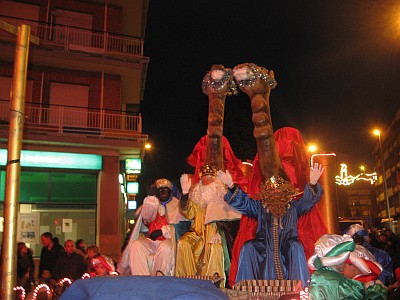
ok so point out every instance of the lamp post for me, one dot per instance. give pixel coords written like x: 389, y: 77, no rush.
x: 327, y: 203
x: 377, y: 132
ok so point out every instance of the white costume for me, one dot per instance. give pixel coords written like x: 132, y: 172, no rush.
x: 144, y: 256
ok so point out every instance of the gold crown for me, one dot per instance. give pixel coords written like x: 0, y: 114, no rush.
x: 163, y: 183
x: 208, y: 170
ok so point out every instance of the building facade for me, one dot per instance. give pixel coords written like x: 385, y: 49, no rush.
x: 85, y: 81
x: 357, y: 201
x: 390, y: 146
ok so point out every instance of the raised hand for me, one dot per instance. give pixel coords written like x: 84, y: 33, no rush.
x: 225, y: 177
x: 316, y: 171
x: 186, y: 183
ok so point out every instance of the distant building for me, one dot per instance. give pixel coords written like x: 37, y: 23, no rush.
x: 390, y: 138
x: 82, y: 114
x: 357, y: 202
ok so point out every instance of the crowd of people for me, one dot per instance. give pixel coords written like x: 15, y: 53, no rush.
x: 60, y: 265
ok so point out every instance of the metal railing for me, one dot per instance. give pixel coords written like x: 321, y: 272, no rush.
x: 77, y: 120
x: 79, y: 39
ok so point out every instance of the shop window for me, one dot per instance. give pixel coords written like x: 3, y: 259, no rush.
x: 58, y: 198
x: 73, y: 188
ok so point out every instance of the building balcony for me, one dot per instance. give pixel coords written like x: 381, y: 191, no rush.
x: 59, y: 37
x: 54, y: 120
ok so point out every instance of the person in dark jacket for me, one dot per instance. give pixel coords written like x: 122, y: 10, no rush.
x: 51, y: 251
x: 70, y: 264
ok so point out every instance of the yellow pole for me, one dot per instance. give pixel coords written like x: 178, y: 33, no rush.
x: 328, y: 205
x: 17, y: 115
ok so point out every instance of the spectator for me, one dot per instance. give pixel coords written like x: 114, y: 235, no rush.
x: 56, y: 240
x: 373, y: 241
x: 392, y: 238
x: 81, y: 247
x: 47, y: 278
x: 92, y: 251
x: 25, y: 267
x: 393, y: 248
x: 50, y: 253
x: 103, y: 266
x: 383, y: 243
x: 70, y: 264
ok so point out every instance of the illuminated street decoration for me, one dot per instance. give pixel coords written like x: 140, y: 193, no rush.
x: 20, y: 291
x: 345, y: 179
x: 320, y: 154
x: 39, y: 288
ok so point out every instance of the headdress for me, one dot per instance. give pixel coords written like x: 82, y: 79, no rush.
x: 163, y: 183
x: 208, y: 170
x: 231, y: 162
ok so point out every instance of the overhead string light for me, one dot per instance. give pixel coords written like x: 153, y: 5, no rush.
x: 345, y: 179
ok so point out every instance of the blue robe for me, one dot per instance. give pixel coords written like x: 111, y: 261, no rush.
x: 256, y: 259
x: 386, y: 262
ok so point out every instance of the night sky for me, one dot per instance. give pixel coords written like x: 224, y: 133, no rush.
x: 337, y: 64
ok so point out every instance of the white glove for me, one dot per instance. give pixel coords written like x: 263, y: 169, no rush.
x: 149, y: 208
x: 315, y: 173
x: 216, y: 239
x: 186, y: 183
x: 225, y: 177
x: 166, y: 231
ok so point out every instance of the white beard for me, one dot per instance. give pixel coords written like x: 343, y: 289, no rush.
x: 205, y: 194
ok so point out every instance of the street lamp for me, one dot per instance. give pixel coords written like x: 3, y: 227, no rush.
x: 377, y: 132
x: 312, y: 148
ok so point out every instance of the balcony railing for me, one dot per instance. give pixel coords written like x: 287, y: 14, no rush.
x: 79, y: 39
x: 77, y: 120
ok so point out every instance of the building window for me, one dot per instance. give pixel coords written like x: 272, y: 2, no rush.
x: 61, y: 18
x: 75, y: 97
x: 19, y: 10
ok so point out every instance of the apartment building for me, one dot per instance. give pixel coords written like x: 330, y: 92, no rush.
x: 82, y: 123
x: 390, y: 147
